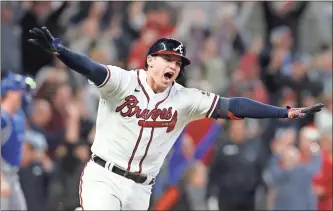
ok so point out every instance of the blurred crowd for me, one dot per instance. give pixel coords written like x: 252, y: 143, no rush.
x: 274, y: 52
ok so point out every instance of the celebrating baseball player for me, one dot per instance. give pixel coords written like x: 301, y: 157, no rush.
x: 16, y: 102
x: 141, y: 114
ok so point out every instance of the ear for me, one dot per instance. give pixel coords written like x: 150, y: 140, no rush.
x: 149, y: 60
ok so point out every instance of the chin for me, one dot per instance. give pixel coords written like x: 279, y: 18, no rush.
x: 164, y: 84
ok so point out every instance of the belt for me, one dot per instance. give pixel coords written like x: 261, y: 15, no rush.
x: 138, y: 178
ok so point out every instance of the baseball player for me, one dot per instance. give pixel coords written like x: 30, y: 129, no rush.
x: 141, y: 114
x: 15, y: 105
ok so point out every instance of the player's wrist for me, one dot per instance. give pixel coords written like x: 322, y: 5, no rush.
x: 294, y: 113
x: 57, y: 46
x: 285, y: 112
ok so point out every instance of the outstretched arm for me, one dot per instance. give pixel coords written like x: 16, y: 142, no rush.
x: 95, y: 72
x: 240, y: 107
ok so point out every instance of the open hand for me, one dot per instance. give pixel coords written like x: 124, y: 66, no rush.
x: 295, y: 113
x: 44, y: 39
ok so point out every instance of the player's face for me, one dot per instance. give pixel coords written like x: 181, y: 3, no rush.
x: 164, y: 69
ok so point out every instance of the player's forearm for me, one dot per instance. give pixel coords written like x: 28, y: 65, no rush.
x: 241, y: 107
x: 245, y: 107
x: 82, y: 64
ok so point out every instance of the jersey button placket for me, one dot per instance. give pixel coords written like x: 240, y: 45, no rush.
x: 146, y: 131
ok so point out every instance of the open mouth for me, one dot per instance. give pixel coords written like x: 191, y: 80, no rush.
x: 168, y: 75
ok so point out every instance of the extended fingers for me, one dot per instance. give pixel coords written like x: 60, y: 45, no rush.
x: 38, y: 32
x: 313, y: 109
x: 319, y: 105
x: 32, y: 32
x: 33, y: 41
x: 47, y: 33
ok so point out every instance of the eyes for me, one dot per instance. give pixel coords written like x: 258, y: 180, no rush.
x: 170, y: 59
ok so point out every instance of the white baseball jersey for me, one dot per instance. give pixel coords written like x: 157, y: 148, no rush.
x: 136, y: 128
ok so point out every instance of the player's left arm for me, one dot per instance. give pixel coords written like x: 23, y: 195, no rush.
x: 241, y: 107
x: 210, y: 105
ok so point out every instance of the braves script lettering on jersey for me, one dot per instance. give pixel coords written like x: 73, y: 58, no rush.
x: 135, y: 130
x: 131, y: 103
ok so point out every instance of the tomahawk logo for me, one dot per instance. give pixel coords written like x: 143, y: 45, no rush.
x: 179, y: 49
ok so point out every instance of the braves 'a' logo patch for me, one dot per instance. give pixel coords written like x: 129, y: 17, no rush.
x: 179, y: 48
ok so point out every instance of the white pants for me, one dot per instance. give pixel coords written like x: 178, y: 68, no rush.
x: 101, y: 189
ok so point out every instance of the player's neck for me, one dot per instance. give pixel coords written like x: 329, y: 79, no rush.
x: 156, y: 89
x: 6, y: 105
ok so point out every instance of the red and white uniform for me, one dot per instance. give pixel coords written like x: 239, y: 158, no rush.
x: 136, y: 128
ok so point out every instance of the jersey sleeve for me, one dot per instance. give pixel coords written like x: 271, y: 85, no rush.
x: 202, y: 103
x: 115, y: 83
x: 6, y: 130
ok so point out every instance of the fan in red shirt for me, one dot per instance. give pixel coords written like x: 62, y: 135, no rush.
x: 323, y: 180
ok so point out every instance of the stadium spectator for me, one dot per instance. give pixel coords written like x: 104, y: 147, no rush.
x: 290, y: 173
x: 236, y: 171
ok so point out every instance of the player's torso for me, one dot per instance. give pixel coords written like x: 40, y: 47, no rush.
x: 137, y: 130
x: 13, y: 140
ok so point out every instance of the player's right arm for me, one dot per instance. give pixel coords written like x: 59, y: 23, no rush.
x: 97, y: 73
